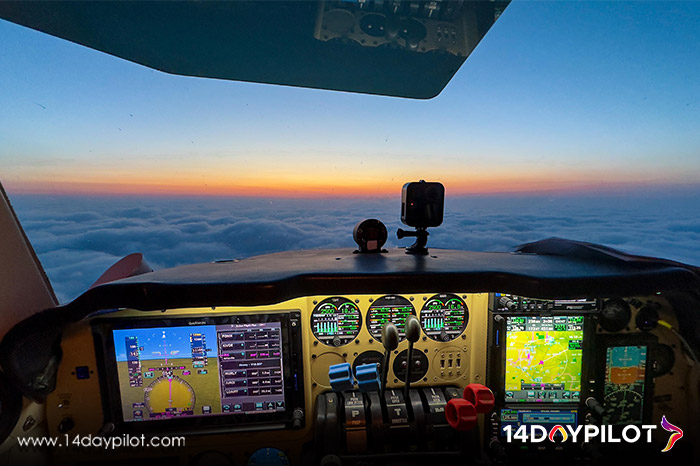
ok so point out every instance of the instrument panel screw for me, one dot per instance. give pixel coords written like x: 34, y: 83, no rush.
x: 411, y: 298
x: 477, y: 377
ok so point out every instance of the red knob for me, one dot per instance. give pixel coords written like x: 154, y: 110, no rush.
x: 480, y: 396
x: 460, y: 414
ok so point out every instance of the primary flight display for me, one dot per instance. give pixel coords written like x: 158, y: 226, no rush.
x: 200, y: 370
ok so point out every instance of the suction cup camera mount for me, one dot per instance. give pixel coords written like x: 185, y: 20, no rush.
x: 422, y: 206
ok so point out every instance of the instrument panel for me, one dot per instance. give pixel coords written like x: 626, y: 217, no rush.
x: 542, y: 358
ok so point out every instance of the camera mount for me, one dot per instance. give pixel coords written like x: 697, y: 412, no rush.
x: 418, y: 247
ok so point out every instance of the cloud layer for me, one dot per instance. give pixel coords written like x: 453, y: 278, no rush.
x: 79, y: 238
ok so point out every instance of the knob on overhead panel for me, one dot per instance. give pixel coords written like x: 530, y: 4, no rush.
x: 615, y: 315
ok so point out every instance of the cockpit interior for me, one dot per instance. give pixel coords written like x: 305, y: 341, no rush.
x: 558, y: 352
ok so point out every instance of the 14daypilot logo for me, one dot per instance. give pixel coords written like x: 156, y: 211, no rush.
x: 630, y: 434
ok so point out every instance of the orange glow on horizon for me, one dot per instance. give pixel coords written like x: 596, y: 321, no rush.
x: 454, y: 186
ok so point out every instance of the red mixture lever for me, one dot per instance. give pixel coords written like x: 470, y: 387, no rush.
x: 460, y: 414
x: 480, y: 396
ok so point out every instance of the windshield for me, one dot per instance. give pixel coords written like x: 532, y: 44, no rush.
x: 570, y: 119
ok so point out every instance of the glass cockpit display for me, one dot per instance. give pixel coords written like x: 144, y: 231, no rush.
x: 543, y: 358
x: 199, y: 370
x: 444, y: 317
x: 336, y: 321
x: 390, y: 308
x: 625, y: 373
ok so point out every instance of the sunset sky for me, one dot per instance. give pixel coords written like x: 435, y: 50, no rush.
x: 559, y: 96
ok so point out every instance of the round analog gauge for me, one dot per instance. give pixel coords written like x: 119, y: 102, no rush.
x: 392, y: 309
x: 444, y: 317
x: 336, y: 321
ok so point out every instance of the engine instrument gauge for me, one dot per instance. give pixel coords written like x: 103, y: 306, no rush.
x: 336, y: 321
x: 390, y: 308
x: 444, y: 317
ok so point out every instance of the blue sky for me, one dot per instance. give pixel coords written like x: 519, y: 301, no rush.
x: 558, y: 96
x: 157, y: 341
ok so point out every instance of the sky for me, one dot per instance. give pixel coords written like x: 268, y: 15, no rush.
x: 571, y: 119
x: 558, y: 97
x: 175, y: 341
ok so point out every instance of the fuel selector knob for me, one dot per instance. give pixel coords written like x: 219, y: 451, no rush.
x: 460, y: 414
x: 480, y: 396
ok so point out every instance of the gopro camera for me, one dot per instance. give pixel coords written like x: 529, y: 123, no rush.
x: 422, y: 204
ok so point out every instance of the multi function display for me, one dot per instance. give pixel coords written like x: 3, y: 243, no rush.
x: 543, y: 358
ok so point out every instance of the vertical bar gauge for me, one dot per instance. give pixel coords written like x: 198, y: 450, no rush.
x: 444, y: 317
x: 336, y: 321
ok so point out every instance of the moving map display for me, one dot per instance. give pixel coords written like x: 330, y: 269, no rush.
x: 199, y: 370
x: 543, y: 358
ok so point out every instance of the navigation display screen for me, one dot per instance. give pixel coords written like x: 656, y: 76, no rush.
x: 199, y: 370
x: 543, y: 359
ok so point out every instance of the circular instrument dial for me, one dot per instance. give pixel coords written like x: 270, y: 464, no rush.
x: 169, y: 395
x: 392, y: 309
x: 444, y: 317
x: 336, y: 321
